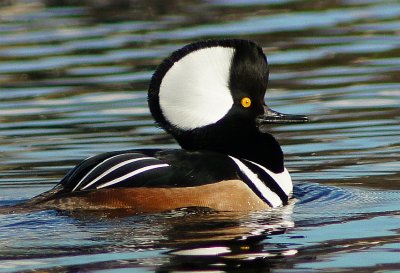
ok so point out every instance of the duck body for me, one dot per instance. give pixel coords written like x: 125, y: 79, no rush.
x: 159, y: 180
x: 209, y: 96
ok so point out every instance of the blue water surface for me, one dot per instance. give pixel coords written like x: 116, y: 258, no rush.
x: 73, y: 83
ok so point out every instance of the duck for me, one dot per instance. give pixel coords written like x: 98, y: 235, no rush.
x: 210, y: 97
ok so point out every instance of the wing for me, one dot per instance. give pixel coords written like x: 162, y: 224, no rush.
x: 149, y: 168
x: 116, y: 169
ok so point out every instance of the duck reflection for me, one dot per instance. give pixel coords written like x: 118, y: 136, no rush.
x: 228, y: 241
x: 195, y: 238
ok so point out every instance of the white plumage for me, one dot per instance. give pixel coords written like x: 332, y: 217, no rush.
x: 195, y: 91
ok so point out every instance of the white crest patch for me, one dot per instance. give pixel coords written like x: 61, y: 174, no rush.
x: 195, y: 90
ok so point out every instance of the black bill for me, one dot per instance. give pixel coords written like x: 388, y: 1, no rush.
x: 271, y: 116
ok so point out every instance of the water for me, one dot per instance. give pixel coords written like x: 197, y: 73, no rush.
x: 73, y: 82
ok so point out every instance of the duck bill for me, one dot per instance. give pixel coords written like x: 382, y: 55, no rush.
x: 272, y: 117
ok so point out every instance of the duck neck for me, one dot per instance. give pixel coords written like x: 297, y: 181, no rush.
x: 261, y: 148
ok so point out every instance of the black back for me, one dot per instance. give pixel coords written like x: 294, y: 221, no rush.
x: 182, y: 169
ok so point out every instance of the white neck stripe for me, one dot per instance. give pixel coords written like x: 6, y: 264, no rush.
x: 283, y: 179
x: 269, y: 195
x: 131, y: 174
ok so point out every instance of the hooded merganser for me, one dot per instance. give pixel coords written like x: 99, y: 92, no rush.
x: 209, y: 96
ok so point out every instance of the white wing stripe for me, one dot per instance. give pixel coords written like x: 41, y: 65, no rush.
x: 128, y: 175
x: 98, y: 165
x: 269, y: 195
x: 114, y: 168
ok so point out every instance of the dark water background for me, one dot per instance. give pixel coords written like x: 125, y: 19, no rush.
x: 73, y: 80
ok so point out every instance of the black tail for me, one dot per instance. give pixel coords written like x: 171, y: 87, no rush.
x: 36, y: 203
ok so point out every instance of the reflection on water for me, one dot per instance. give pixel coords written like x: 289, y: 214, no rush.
x: 348, y: 222
x: 73, y: 80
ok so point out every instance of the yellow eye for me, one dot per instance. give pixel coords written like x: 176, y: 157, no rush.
x: 246, y: 102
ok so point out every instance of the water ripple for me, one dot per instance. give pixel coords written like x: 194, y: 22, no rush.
x: 73, y: 83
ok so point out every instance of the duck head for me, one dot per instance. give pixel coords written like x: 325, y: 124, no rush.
x: 210, y: 95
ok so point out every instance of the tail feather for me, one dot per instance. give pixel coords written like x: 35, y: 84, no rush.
x: 34, y: 204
